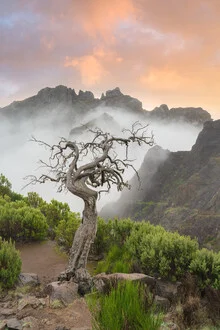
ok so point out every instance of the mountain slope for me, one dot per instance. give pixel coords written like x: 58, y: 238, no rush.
x: 180, y: 190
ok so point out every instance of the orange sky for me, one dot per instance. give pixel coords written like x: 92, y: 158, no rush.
x: 160, y: 51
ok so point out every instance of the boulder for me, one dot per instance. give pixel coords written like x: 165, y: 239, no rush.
x: 6, y: 312
x: 169, y: 290
x: 14, y: 324
x: 30, y: 279
x: 66, y: 292
x: 29, y: 322
x: 84, y: 281
x: 30, y: 301
x: 102, y: 282
x: 3, y: 324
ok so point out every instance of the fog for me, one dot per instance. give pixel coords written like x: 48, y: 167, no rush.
x: 20, y: 157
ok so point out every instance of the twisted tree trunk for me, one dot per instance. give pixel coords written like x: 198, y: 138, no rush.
x: 83, y: 238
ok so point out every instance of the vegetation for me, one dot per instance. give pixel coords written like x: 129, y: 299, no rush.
x: 10, y: 264
x: 22, y: 223
x: 65, y: 230
x: 124, y: 245
x: 123, y: 308
x: 206, y: 266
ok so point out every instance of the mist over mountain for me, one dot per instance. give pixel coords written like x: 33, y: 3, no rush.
x: 180, y: 190
x: 60, y: 111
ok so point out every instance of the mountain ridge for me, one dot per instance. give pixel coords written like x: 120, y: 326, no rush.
x: 62, y: 98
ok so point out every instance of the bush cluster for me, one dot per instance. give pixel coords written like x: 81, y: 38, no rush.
x: 22, y: 223
x: 10, y: 264
x: 31, y: 218
x: 142, y: 247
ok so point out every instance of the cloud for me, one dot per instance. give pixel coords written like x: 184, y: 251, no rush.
x: 147, y: 47
x: 91, y: 70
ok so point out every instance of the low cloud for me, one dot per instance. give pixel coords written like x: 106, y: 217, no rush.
x: 21, y: 158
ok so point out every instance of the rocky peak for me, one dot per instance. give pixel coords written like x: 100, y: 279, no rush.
x: 162, y: 111
x: 190, y: 114
x: 114, y: 92
x: 86, y: 96
x: 57, y: 94
x: 115, y: 98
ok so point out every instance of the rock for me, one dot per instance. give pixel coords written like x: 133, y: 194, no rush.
x: 162, y: 303
x: 30, y: 279
x: 169, y: 290
x: 3, y: 324
x: 30, y: 301
x: 14, y: 324
x: 7, y: 311
x: 66, y: 292
x: 30, y: 322
x: 84, y: 281
x: 102, y: 282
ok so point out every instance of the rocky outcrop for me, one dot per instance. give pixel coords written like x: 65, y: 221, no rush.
x: 63, y: 292
x: 115, y: 98
x: 189, y: 114
x: 180, y: 190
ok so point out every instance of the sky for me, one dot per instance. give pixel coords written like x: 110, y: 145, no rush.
x: 159, y: 51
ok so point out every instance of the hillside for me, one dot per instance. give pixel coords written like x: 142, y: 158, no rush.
x: 180, y: 190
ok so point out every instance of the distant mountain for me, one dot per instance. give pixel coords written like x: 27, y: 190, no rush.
x: 104, y: 121
x: 62, y: 104
x: 180, y: 190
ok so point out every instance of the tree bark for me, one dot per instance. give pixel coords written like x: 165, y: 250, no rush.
x: 83, y: 238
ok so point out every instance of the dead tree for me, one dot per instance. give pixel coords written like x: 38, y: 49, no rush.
x: 69, y: 166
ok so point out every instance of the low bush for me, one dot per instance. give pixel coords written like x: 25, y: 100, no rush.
x: 22, y: 223
x: 118, y: 260
x: 123, y: 308
x: 158, y: 252
x: 206, y: 266
x: 10, y: 264
x: 65, y: 230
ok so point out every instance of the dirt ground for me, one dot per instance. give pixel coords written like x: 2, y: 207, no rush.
x: 44, y: 260
x: 75, y: 316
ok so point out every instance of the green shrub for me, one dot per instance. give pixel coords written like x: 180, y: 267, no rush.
x: 119, y: 231
x: 10, y: 264
x: 123, y: 308
x: 65, y: 231
x: 206, y: 266
x: 21, y: 222
x: 158, y: 252
x: 117, y: 260
x: 101, y: 242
